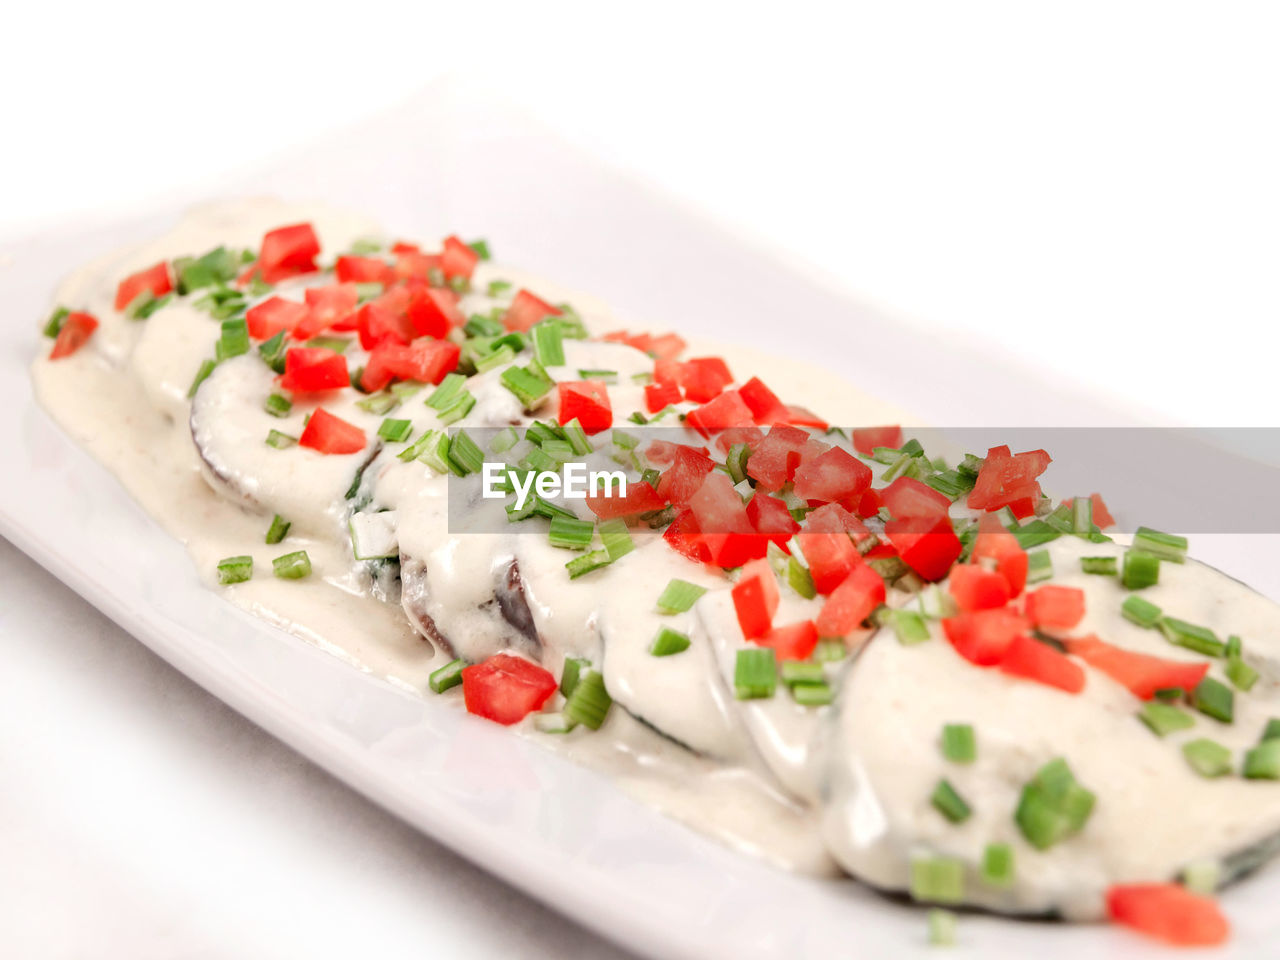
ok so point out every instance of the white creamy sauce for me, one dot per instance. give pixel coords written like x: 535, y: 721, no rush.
x: 799, y: 786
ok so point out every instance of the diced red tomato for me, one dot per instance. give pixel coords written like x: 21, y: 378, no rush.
x: 1033, y: 660
x: 273, y: 315
x: 331, y: 307
x: 799, y: 416
x: 975, y: 588
x: 154, y: 280
x: 831, y: 558
x: 640, y: 498
x: 586, y: 401
x: 329, y: 434
x: 351, y: 269
x: 458, y: 259
x: 287, y: 252
x: 775, y: 460
x: 765, y: 406
x: 908, y: 497
x: 722, y: 521
x: 869, y: 503
x: 379, y: 323
x: 1054, y: 607
x: 682, y: 479
x: 433, y: 312
x: 76, y: 329
x: 424, y: 361
x: 755, y: 598
x: 851, y: 602
x: 929, y: 546
x: 794, y: 641
x: 506, y: 688
x: 668, y: 346
x: 725, y: 411
x: 314, y: 369
x: 415, y: 265
x: 1141, y: 673
x: 661, y: 453
x: 657, y: 396
x: 983, y: 636
x: 866, y: 439
x: 832, y: 476
x: 833, y: 518
x: 751, y: 436
x: 1009, y: 480
x: 684, y: 537
x: 1101, y: 515
x: 404, y: 246
x: 996, y: 543
x: 704, y: 378
x: 770, y: 517
x: 526, y: 310
x: 1168, y: 912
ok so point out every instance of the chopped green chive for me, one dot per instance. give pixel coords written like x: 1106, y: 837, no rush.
x: 1241, y: 675
x: 336, y: 344
x: 234, y: 340
x: 589, y: 702
x: 552, y: 723
x: 571, y: 533
x: 1103, y: 566
x: 397, y: 431
x: 278, y: 530
x: 145, y: 304
x: 206, y: 368
x: 458, y: 409
x: 292, y: 566
x: 679, y: 596
x: 278, y: 405
x: 447, y: 393
x: 949, y: 803
x: 1263, y: 761
x: 548, y: 345
x: 498, y: 287
x: 959, y: 743
x: 53, y: 326
x: 219, y: 265
x: 1214, y: 699
x: 942, y: 928
x: 830, y: 651
x: 604, y: 376
x: 739, y: 453
x: 1193, y: 637
x: 478, y: 325
x: 363, y: 246
x: 616, y: 539
x: 937, y: 880
x: 755, y: 674
x: 1166, y: 546
x: 1207, y: 757
x: 909, y: 627
x: 481, y: 247
x: 1082, y: 516
x: 580, y: 566
x: 528, y: 386
x: 1202, y: 877
x: 272, y: 352
x: 465, y: 454
x: 1271, y: 731
x: 280, y: 440
x: 1141, y: 569
x: 504, y: 440
x: 668, y: 642
x: 1142, y: 612
x: 802, y: 671
x: 235, y: 569
x: 997, y: 865
x: 447, y: 677
x: 800, y: 579
x: 1039, y: 566
x: 1035, y: 534
x: 1164, y: 719
x: 812, y: 694
x: 569, y: 674
x: 1053, y: 805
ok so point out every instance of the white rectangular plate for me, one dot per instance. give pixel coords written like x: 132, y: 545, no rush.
x: 451, y: 160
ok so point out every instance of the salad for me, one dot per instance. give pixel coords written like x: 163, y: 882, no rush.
x: 792, y: 627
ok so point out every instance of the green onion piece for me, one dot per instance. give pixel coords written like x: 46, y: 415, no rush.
x: 959, y: 744
x: 235, y: 569
x: 405, y: 389
x: 219, y: 265
x: 942, y: 928
x: 1035, y: 534
x: 909, y: 627
x: 479, y: 325
x: 459, y: 284
x: 504, y: 440
x: 737, y: 461
x: 1193, y: 637
x: 481, y: 247
x: 1263, y: 761
x: 447, y: 393
x: 616, y: 539
x: 571, y: 533
x: 447, y: 677
x: 997, y: 865
x: 579, y: 566
x: 494, y: 359
x: 1082, y: 515
x: 561, y: 451
x: 1164, y: 719
x: 1039, y: 566
x: 548, y: 346
x: 497, y: 287
x: 950, y: 483
x: 668, y: 642
x: 516, y: 341
x: 1142, y: 612
x: 528, y: 386
x: 1053, y: 805
x: 1170, y: 694
x: 1207, y: 757
x: 278, y: 530
x: 550, y: 511
x: 53, y: 326
x: 812, y: 694
x: 1271, y: 731
x: 800, y: 579
x: 830, y: 651
x: 280, y: 440
x: 435, y: 452
x: 552, y: 723
x: 937, y: 880
x: 539, y: 432
x: 1203, y: 876
x: 414, y: 449
x: 234, y: 340
x: 363, y: 246
x: 465, y: 454
x: 539, y: 462
x: 460, y: 407
x: 1241, y: 675
x: 627, y: 441
x: 679, y: 596
x: 397, y: 431
x: 604, y: 376
x: 949, y: 803
x: 145, y: 304
x: 292, y: 566
x: 206, y: 368
x: 278, y: 405
x: 971, y: 466
x: 1141, y: 569
x: 589, y: 702
x: 1166, y: 546
x: 1214, y: 699
x: 336, y: 344
x: 1103, y: 566
x: 569, y: 674
x: 272, y: 352
x: 802, y: 671
x: 577, y: 438
x: 1235, y: 647
x: 755, y: 674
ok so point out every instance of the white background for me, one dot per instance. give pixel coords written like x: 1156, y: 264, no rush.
x: 1090, y: 187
